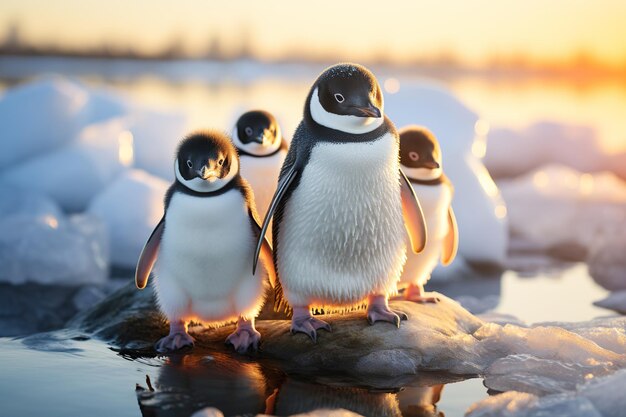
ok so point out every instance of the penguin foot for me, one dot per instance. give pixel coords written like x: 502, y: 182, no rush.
x: 378, y: 310
x: 303, y: 322
x: 244, y: 337
x: 173, y: 342
x: 415, y: 293
x: 422, y: 299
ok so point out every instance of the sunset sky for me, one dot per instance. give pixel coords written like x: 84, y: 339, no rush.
x: 472, y: 30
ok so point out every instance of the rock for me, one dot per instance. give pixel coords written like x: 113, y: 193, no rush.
x: 436, y: 337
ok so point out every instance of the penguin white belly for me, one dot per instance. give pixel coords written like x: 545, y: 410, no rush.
x: 342, y: 231
x: 204, y: 269
x: 435, y: 201
x: 262, y: 174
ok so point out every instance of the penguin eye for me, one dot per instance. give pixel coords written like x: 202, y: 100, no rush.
x: 414, y: 156
x: 248, y: 131
x: 339, y: 98
x: 220, y: 162
x: 189, y: 163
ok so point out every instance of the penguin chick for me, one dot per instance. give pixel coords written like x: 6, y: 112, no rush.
x: 204, y: 243
x: 338, y: 209
x: 262, y: 150
x: 420, y: 157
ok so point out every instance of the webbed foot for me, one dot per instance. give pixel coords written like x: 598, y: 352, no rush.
x: 244, y: 337
x: 176, y: 340
x: 415, y: 293
x: 303, y: 322
x: 378, y: 310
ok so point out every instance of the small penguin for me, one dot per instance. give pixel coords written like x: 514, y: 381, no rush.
x: 203, y: 244
x: 262, y: 150
x: 420, y: 157
x: 338, y: 208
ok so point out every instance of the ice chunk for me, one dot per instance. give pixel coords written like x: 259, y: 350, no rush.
x: 130, y: 208
x: 597, y: 397
x: 616, y: 301
x: 208, y: 412
x: 156, y: 136
x: 480, y: 210
x: 607, y: 263
x: 537, y: 376
x: 52, y: 250
x: 514, y: 152
x: 520, y: 404
x: 544, y: 204
x: 37, y: 118
x: 607, y: 332
x: 16, y: 201
x: 73, y: 175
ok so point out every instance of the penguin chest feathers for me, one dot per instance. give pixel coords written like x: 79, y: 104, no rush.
x: 341, y: 234
x: 205, y: 256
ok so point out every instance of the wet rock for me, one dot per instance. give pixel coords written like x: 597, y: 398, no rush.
x: 436, y: 337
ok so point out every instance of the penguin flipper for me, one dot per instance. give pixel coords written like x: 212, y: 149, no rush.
x: 149, y: 255
x: 413, y: 215
x: 283, y: 186
x: 266, y: 254
x: 451, y: 240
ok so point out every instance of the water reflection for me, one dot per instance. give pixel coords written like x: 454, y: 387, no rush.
x: 188, y: 383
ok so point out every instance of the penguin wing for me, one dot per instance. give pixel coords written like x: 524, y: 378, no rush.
x: 149, y: 255
x: 283, y: 186
x: 266, y: 255
x: 413, y: 216
x: 451, y: 240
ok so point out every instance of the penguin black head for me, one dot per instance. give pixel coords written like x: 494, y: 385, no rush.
x: 420, y: 154
x: 206, y: 161
x: 257, y: 132
x: 346, y: 97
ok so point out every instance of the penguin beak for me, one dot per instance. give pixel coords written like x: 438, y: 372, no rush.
x: 207, y: 174
x: 368, y: 111
x: 431, y: 164
x: 261, y: 139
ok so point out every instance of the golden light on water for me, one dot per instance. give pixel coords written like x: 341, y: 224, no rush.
x: 125, y: 150
x: 392, y: 85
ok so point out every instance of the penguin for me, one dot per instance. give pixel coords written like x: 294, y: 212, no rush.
x: 339, y: 206
x: 421, y: 160
x: 262, y: 150
x: 200, y: 249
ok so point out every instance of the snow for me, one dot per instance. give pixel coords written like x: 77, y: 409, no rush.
x: 513, y: 152
x: 480, y: 211
x: 596, y: 397
x: 545, y: 203
x: 130, y: 208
